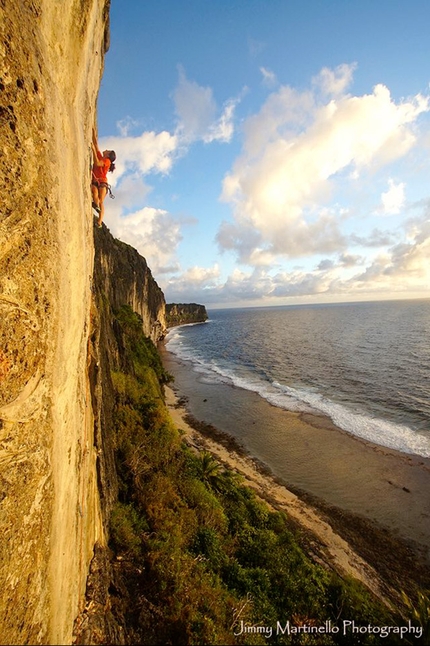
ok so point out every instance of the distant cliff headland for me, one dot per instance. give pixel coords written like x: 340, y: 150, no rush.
x: 182, y: 313
x: 113, y: 529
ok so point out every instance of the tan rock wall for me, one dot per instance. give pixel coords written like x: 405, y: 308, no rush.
x: 123, y: 277
x: 51, y: 59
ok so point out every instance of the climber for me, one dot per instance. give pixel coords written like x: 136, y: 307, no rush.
x: 102, y: 163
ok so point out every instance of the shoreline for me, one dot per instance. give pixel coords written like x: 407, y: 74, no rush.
x: 351, y: 542
x: 381, y: 429
x: 308, y: 453
x: 330, y: 536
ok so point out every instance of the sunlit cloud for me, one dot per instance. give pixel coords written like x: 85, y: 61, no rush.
x: 195, y: 284
x: 406, y: 264
x: 291, y: 236
x: 153, y: 232
x: 295, y: 150
x: 393, y: 199
x: 334, y: 82
x: 402, y: 268
x: 146, y: 153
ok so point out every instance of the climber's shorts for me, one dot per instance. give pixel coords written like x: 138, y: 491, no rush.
x: 100, y: 184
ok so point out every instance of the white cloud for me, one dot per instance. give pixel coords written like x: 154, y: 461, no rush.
x: 393, y: 199
x: 197, y: 112
x: 194, y: 284
x: 151, y: 152
x: 269, y: 77
x: 334, y: 82
x: 153, y: 232
x: 401, y: 268
x: 146, y: 153
x: 223, y: 128
x: 295, y: 149
x: 350, y: 260
x: 376, y: 238
x: 405, y: 266
x: 131, y: 192
x: 126, y: 125
x: 247, y: 287
x: 325, y: 264
x: 195, y: 107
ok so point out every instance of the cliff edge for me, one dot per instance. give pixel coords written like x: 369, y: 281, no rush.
x: 122, y: 276
x: 51, y: 60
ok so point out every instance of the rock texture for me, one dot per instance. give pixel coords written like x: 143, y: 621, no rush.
x: 51, y: 63
x: 123, y: 276
x: 181, y: 313
x: 57, y: 290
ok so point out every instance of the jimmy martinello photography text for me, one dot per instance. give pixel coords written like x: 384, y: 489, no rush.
x: 345, y: 628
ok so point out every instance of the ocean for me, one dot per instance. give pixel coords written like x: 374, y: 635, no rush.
x: 366, y: 366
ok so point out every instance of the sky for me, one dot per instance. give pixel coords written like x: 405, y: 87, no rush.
x: 271, y: 152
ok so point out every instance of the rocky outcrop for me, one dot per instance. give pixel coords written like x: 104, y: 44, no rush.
x: 123, y: 277
x: 51, y: 57
x: 181, y: 313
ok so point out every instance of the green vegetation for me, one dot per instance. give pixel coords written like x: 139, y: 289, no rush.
x: 201, y: 551
x: 419, y: 612
x: 180, y: 313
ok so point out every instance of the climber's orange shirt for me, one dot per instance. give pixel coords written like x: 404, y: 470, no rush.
x: 100, y: 172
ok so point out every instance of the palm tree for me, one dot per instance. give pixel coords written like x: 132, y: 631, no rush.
x: 212, y: 473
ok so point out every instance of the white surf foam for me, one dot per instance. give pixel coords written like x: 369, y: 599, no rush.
x: 373, y: 429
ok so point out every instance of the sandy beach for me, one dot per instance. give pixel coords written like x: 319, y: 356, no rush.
x: 367, y: 514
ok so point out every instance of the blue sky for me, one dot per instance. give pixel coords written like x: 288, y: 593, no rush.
x: 272, y: 151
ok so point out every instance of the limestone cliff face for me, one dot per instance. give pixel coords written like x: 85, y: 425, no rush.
x: 124, y: 277
x: 57, y: 477
x: 121, y: 277
x: 51, y: 57
x: 181, y: 313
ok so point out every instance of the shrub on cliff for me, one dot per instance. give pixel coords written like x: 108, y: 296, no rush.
x: 138, y: 348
